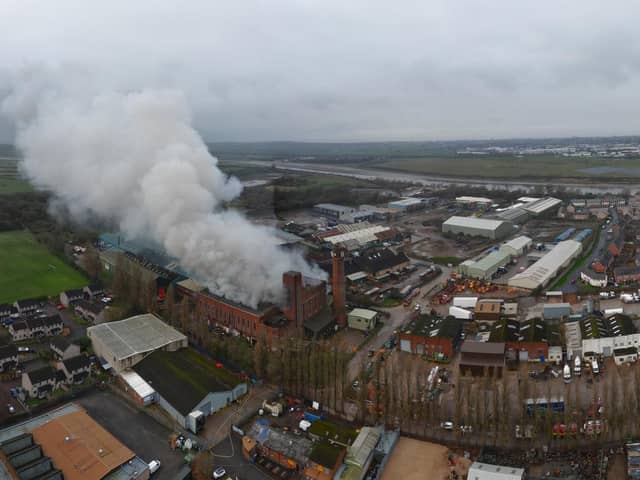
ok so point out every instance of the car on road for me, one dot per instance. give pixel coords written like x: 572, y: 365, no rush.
x: 219, y: 472
x: 447, y: 425
x: 23, y: 349
x: 154, y: 466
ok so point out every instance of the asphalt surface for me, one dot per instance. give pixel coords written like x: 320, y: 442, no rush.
x: 603, y: 242
x: 141, y: 433
x: 228, y: 454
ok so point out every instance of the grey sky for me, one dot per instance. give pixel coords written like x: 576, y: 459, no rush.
x: 352, y: 70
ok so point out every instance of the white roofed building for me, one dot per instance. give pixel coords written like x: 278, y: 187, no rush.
x: 544, y: 270
x: 543, y: 206
x: 486, y: 471
x: 125, y: 343
x: 477, y: 227
x: 517, y: 246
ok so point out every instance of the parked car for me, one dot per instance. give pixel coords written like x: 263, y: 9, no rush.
x: 24, y: 349
x: 154, y: 466
x: 11, y: 409
x: 447, y: 425
x: 219, y: 472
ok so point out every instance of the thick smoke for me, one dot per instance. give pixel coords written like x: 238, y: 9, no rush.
x: 135, y: 161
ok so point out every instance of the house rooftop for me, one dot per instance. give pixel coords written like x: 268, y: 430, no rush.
x: 76, y: 363
x: 42, y: 374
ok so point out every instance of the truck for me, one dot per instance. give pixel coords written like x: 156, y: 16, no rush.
x: 195, y: 421
x: 577, y: 366
x: 566, y: 373
x: 594, y: 367
x: 626, y: 297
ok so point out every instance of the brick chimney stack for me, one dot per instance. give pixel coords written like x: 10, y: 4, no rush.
x: 338, y: 286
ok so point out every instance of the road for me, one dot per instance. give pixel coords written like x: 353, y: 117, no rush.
x: 603, y: 241
x: 373, y: 174
x: 228, y: 455
x: 397, y: 317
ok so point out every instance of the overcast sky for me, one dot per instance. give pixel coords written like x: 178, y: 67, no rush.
x: 352, y: 70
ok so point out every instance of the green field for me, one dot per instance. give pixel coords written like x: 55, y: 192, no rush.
x: 27, y: 269
x: 9, y: 186
x: 512, y: 167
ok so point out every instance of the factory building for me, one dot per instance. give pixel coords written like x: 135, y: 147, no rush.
x: 485, y: 267
x: 544, y: 270
x: 477, y: 227
x: 333, y: 211
x: 407, y: 204
x: 434, y: 337
x: 543, y: 206
x: 124, y: 343
x: 515, y: 215
x: 474, y: 202
x: 517, y: 246
x: 486, y: 471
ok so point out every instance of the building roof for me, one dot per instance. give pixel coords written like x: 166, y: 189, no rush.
x: 80, y: 447
x: 627, y: 270
x: 505, y: 331
x: 381, y: 260
x: 325, y: 454
x: 333, y: 206
x: 190, y: 284
x: 488, y: 307
x: 43, y: 322
x: 486, y: 471
x: 363, y: 313
x: 27, y: 303
x: 618, y: 352
x: 8, y: 351
x: 60, y: 343
x: 518, y: 243
x: 74, y: 293
x: 289, y: 445
x: 184, y: 378
x: 468, y: 199
x: 362, y: 236
x: 483, y: 348
x: 489, y: 262
x: 92, y: 307
x: 542, y: 205
x: 363, y: 446
x: 546, y: 268
x: 537, y: 330
x: 42, y: 374
x: 405, y: 202
x: 5, y: 307
x: 474, y: 222
x: 76, y: 363
x: 428, y: 326
x: 95, y: 288
x: 135, y: 335
x: 515, y: 214
x: 137, y: 383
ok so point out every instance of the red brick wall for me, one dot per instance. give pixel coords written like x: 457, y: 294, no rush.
x: 535, y: 349
x: 431, y: 344
x: 215, y: 311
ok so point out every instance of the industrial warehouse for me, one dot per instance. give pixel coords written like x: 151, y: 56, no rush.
x: 480, y: 227
x: 544, y: 270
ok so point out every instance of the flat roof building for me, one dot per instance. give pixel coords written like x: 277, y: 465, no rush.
x: 333, y: 211
x: 477, y: 227
x: 486, y: 471
x: 487, y: 266
x: 125, y: 343
x: 544, y: 270
x: 362, y: 319
x: 407, y: 204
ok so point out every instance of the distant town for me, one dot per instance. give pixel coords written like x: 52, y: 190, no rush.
x: 471, y: 332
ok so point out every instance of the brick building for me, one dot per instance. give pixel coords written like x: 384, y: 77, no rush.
x: 627, y: 274
x: 305, y: 299
x: 432, y: 336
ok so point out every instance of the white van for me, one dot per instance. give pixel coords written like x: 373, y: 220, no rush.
x: 154, y: 466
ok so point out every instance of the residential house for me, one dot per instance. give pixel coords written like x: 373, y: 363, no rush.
x: 8, y: 357
x: 627, y: 274
x: 40, y: 383
x: 76, y: 369
x: 93, y: 291
x: 625, y: 355
x: 70, y: 297
x: 62, y: 349
x: 5, y: 311
x: 36, y: 327
x: 593, y: 278
x: 93, y: 312
x: 26, y: 307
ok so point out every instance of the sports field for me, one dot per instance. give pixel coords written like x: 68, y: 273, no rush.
x: 27, y: 269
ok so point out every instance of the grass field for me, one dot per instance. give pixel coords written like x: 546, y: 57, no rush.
x: 511, y: 167
x: 27, y: 269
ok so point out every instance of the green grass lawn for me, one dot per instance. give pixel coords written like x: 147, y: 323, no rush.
x: 27, y: 269
x: 9, y: 186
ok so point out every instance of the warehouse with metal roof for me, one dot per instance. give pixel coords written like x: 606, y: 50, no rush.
x: 543, y: 206
x: 362, y: 236
x: 485, y: 267
x: 544, y: 270
x: 517, y: 246
x: 126, y: 342
x: 477, y: 227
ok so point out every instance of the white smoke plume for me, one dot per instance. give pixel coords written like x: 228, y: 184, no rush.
x: 134, y: 160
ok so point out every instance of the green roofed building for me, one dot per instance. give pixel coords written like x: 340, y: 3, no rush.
x: 187, y: 382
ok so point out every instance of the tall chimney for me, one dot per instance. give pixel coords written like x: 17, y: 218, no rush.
x: 338, y: 286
